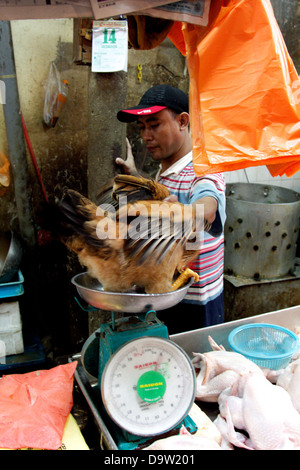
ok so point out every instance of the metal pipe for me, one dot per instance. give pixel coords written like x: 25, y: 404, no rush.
x: 15, y: 136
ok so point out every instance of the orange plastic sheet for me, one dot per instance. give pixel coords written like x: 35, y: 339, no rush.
x: 244, y: 90
x: 34, y: 407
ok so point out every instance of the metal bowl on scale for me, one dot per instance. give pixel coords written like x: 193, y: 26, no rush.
x: 91, y: 291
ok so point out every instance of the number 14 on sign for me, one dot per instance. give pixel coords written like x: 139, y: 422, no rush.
x: 109, y: 46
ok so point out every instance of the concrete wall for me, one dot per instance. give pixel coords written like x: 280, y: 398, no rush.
x: 61, y: 154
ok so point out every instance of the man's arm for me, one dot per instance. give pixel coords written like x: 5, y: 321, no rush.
x: 210, y: 191
x: 210, y: 211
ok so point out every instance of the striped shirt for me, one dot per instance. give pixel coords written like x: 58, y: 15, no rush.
x: 182, y: 181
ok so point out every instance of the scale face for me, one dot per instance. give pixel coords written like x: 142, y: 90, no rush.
x: 148, y: 386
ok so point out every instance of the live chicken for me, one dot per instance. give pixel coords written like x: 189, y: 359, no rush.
x: 147, y: 242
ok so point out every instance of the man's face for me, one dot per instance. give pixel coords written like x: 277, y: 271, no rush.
x: 161, y: 134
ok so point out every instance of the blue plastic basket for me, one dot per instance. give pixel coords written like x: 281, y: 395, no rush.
x: 269, y: 346
x: 13, y: 288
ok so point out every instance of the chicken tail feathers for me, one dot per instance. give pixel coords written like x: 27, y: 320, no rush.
x: 78, y: 216
x: 76, y: 206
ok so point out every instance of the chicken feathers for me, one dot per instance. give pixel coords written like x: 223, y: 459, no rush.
x: 147, y: 242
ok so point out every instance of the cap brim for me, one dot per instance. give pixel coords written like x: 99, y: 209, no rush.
x: 132, y: 114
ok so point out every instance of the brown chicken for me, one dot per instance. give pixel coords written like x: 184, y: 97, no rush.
x: 147, y: 242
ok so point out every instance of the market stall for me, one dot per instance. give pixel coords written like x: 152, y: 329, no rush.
x: 144, y: 388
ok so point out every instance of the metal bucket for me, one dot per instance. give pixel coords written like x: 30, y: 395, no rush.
x: 261, y: 230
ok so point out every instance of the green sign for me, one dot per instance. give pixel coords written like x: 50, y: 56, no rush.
x: 151, y: 386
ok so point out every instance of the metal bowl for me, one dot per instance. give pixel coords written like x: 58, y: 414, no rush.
x: 91, y: 291
x: 10, y: 256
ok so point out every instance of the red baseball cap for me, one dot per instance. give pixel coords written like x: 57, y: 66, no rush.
x: 154, y: 100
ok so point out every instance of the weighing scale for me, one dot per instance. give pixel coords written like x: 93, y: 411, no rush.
x: 146, y: 383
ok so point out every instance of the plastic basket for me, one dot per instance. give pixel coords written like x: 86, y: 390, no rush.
x: 13, y: 288
x: 269, y: 346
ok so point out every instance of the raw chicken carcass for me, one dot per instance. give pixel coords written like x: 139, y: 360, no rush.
x: 184, y: 441
x: 205, y: 427
x: 265, y: 411
x: 219, y: 369
x: 290, y: 381
x: 147, y: 242
x: 207, y: 436
x: 289, y: 377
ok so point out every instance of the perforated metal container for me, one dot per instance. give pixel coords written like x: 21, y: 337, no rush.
x: 261, y: 230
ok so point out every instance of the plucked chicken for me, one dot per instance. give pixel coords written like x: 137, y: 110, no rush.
x: 217, y: 370
x: 289, y: 379
x: 265, y: 411
x: 184, y: 441
x: 145, y: 242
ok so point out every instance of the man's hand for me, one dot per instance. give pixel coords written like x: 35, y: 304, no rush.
x: 210, y: 208
x: 128, y: 166
x: 171, y: 198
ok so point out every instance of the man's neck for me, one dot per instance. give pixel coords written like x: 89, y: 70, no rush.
x: 165, y: 164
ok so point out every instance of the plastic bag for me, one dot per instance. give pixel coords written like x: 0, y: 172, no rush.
x: 56, y: 91
x: 4, y: 174
x: 34, y: 407
x: 243, y: 90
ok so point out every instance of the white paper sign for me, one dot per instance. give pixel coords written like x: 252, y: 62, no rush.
x: 110, y: 46
x: 109, y: 8
x: 96, y: 9
x: 189, y: 11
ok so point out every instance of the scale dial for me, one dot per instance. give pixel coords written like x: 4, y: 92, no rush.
x: 148, y: 386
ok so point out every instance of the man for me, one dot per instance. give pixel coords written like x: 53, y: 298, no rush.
x: 163, y: 118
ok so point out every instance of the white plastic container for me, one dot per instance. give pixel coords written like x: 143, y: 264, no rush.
x: 11, y: 337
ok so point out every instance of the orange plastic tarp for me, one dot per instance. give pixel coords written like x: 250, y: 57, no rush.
x: 244, y: 90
